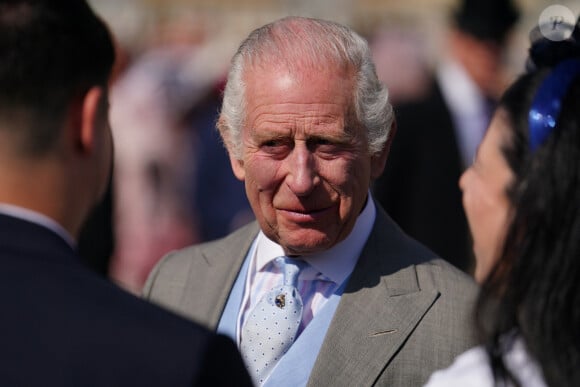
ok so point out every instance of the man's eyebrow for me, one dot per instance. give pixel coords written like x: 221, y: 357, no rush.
x: 269, y: 135
x: 332, y: 137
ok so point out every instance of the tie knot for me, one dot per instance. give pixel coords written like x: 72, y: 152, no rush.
x: 291, y: 268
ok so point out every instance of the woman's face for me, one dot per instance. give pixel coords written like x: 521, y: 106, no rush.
x: 485, y: 200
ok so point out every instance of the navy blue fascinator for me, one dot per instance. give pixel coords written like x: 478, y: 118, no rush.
x: 564, y: 59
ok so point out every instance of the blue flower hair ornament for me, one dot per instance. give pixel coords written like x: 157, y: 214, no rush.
x: 547, y: 103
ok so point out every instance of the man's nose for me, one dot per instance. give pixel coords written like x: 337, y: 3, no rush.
x: 302, y: 174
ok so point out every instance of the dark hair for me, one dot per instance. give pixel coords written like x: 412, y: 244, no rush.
x: 51, y: 51
x: 486, y: 20
x: 534, y: 289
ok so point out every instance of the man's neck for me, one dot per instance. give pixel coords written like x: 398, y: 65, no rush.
x: 43, y: 188
x: 37, y: 218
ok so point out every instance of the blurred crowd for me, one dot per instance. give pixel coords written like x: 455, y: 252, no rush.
x: 172, y: 183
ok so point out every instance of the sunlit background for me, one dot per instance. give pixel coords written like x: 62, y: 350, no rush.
x: 141, y: 24
x: 172, y: 183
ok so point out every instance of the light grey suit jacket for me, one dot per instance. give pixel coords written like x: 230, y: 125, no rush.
x: 404, y: 313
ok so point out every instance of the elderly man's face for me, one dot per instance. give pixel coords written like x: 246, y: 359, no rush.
x: 305, y: 162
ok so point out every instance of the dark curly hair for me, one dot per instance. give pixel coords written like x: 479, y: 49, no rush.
x: 534, y: 289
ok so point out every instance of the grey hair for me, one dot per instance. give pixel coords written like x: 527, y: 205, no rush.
x: 295, y: 42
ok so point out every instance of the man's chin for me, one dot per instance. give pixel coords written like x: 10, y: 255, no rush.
x: 305, y: 246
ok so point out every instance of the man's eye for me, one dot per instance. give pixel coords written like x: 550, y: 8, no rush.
x: 272, y: 143
x: 274, y: 146
x: 323, y: 141
x: 323, y: 145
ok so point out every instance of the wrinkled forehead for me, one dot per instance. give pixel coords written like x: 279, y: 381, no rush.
x: 275, y: 83
x: 298, y: 63
x: 311, y: 97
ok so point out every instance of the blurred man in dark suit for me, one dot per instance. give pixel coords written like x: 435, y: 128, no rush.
x: 438, y: 134
x: 62, y: 324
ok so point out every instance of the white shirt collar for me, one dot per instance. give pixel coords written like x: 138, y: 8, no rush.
x: 459, y: 90
x: 467, y: 105
x: 336, y: 263
x: 37, y: 218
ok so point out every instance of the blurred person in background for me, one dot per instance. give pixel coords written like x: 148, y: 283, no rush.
x: 173, y: 185
x: 62, y: 324
x: 407, y: 72
x: 153, y: 163
x: 522, y: 199
x: 220, y: 205
x: 438, y: 133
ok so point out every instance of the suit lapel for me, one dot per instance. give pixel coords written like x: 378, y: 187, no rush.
x: 379, y: 309
x: 221, y: 264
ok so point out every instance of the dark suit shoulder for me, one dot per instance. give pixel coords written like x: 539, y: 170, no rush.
x: 77, y: 328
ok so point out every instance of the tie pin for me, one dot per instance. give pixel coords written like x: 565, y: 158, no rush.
x: 280, y: 301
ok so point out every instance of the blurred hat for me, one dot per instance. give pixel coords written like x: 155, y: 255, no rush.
x: 488, y: 20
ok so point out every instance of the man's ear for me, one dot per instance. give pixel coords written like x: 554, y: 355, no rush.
x: 379, y: 161
x: 237, y: 164
x: 90, y: 109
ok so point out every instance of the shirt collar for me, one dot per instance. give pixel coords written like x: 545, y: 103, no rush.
x: 39, y: 219
x: 461, y: 93
x: 336, y: 263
